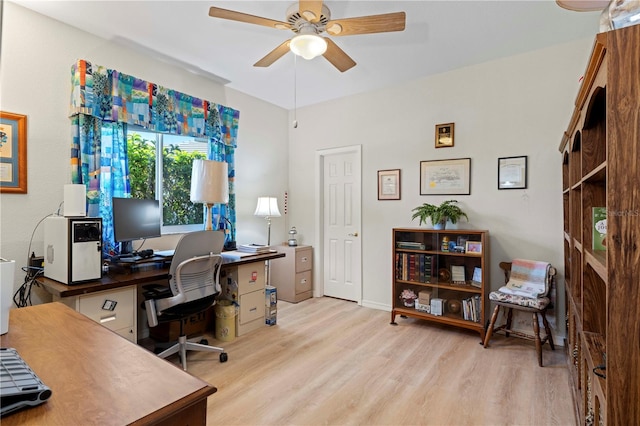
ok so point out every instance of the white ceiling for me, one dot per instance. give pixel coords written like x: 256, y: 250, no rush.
x: 439, y: 36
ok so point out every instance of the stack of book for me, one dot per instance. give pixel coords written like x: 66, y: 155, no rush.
x: 414, y: 267
x: 471, y: 309
x: 253, y: 248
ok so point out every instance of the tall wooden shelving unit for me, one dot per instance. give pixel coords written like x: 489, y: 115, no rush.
x: 601, y: 168
x: 436, y: 277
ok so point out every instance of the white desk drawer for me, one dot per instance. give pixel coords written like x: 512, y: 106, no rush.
x: 251, y: 307
x: 251, y: 277
x: 303, y: 282
x: 115, y: 309
x: 304, y: 259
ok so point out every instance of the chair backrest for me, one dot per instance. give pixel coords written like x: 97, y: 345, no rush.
x: 195, y: 268
x: 549, y: 279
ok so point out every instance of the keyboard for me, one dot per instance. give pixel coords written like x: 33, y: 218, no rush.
x: 21, y: 387
x: 164, y: 253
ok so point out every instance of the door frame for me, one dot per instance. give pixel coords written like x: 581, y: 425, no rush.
x: 318, y: 290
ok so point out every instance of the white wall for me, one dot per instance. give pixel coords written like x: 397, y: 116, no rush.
x: 35, y: 81
x: 516, y: 106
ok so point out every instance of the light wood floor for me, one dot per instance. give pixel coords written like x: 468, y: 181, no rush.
x: 332, y: 362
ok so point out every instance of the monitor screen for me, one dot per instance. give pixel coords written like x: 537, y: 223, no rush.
x: 135, y: 219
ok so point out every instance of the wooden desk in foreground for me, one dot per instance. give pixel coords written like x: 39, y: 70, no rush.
x: 98, y: 377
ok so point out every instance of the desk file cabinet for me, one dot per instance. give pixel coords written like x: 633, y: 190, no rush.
x: 292, y: 275
x: 251, y: 286
x: 115, y: 309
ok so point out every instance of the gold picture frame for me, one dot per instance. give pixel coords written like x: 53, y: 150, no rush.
x: 13, y: 153
x: 474, y: 247
x: 444, y: 135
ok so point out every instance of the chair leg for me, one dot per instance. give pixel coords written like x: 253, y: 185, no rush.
x: 509, y: 319
x: 536, y: 332
x: 547, y: 329
x: 183, y: 351
x: 494, y: 317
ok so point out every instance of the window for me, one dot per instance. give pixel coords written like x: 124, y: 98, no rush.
x: 160, y: 168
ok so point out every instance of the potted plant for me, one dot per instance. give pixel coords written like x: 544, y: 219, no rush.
x: 439, y: 215
x: 408, y: 297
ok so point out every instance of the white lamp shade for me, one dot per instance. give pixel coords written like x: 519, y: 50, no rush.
x: 267, y: 207
x: 308, y: 45
x: 209, y: 182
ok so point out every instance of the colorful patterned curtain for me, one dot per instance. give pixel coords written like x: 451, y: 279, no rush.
x: 100, y: 95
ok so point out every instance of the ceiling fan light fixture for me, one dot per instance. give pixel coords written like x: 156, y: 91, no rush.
x: 308, y: 45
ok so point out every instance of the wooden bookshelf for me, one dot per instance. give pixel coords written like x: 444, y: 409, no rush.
x: 600, y: 168
x: 421, y: 265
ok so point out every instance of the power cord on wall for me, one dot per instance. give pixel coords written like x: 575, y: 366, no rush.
x: 22, y: 296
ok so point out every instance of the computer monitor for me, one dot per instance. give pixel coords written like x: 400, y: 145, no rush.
x: 135, y: 219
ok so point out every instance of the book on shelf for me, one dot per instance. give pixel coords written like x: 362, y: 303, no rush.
x: 414, y: 267
x: 253, y: 248
x: 599, y: 228
x: 411, y: 245
x: 471, y: 309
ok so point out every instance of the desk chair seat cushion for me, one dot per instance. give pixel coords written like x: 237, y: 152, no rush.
x: 528, y: 302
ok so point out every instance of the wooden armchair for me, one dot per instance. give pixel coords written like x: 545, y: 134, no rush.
x: 537, y: 306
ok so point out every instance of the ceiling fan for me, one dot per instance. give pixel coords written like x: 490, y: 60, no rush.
x: 309, y: 19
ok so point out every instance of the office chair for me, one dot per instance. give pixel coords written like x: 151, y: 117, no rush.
x: 528, y: 284
x: 194, y: 284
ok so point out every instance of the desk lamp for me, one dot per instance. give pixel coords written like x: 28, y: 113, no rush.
x: 209, y: 185
x: 267, y: 207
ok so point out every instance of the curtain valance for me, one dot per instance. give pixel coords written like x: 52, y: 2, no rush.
x: 114, y: 96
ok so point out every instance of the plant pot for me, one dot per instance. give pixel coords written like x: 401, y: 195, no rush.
x: 409, y: 303
x: 440, y: 225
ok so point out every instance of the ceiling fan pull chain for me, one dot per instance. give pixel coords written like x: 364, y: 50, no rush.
x: 295, y: 91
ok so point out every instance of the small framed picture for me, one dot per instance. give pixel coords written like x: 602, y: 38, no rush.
x: 512, y: 172
x: 473, y: 247
x: 389, y: 184
x: 444, y: 135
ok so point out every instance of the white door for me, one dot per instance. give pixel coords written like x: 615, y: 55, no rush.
x: 341, y: 201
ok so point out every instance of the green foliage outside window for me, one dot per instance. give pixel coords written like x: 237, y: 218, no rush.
x: 177, y: 208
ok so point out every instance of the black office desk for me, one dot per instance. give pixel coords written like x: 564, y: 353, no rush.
x: 124, y: 277
x: 119, y: 288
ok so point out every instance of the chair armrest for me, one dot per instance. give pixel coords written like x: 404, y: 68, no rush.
x: 152, y: 315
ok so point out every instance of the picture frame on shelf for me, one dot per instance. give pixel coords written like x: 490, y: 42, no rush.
x: 13, y: 153
x: 389, y: 184
x: 476, y: 281
x: 512, y: 172
x: 445, y: 177
x: 473, y: 247
x: 444, y: 135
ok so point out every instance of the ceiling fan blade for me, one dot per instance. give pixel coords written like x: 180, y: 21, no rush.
x: 583, y: 5
x: 216, y: 12
x: 310, y: 10
x: 384, y: 23
x: 337, y: 57
x: 274, y: 55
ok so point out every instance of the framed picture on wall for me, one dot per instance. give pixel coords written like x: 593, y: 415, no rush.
x: 444, y: 135
x: 13, y: 153
x: 389, y: 184
x: 445, y: 177
x: 512, y: 172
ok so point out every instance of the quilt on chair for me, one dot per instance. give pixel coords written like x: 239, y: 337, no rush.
x: 528, y: 284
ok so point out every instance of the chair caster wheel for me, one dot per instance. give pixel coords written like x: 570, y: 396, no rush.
x: 224, y: 357
x: 204, y: 342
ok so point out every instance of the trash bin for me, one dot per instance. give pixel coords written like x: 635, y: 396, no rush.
x: 7, y: 268
x: 226, y: 312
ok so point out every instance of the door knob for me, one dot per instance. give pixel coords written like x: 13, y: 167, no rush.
x: 355, y: 234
